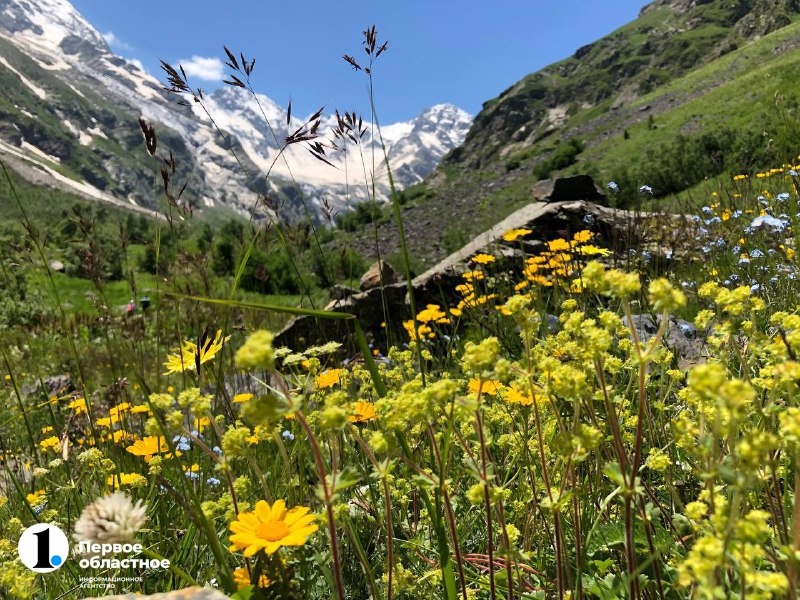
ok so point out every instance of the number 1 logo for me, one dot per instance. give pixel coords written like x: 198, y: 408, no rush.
x: 43, y: 548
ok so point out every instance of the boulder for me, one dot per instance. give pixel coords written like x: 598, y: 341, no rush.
x: 380, y: 273
x: 681, y: 337
x: 381, y: 310
x: 562, y: 189
x: 53, y: 385
x: 340, y: 292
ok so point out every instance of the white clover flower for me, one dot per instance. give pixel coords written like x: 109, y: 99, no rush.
x: 112, y: 519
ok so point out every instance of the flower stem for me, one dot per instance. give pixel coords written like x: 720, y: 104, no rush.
x: 328, y: 495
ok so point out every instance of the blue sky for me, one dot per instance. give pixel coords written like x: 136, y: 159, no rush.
x: 464, y: 53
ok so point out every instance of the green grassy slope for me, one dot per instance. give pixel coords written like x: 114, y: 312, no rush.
x: 736, y: 110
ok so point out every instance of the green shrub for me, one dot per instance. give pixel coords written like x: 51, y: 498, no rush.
x: 564, y: 155
x: 364, y: 213
x: 270, y: 271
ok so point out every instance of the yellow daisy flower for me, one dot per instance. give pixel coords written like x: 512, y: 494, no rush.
x: 149, y: 446
x: 513, y: 235
x: 432, y: 312
x: 269, y: 528
x: 582, y: 236
x: 121, y: 435
x: 482, y: 259
x: 489, y: 386
x: 363, y: 412
x: 590, y: 250
x: 514, y: 396
x: 327, y: 379
x: 558, y: 245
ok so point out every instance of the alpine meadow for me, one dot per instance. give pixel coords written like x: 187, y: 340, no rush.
x: 547, y: 351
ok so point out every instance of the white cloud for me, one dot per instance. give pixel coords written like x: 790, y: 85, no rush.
x: 116, y: 43
x: 208, y: 69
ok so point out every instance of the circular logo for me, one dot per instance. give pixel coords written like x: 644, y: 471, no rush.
x: 43, y: 548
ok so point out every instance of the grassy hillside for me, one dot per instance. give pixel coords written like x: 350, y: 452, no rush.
x: 737, y: 110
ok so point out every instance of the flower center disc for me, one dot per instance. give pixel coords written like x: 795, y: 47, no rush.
x: 273, y: 531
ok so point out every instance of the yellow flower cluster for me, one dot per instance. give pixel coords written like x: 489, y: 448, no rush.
x: 257, y: 352
x: 431, y: 315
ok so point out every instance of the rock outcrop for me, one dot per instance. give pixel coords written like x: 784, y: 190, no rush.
x: 562, y: 189
x: 382, y: 310
x: 380, y: 273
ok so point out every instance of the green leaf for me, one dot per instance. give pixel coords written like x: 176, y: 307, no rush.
x: 245, y: 593
x: 346, y: 478
x: 613, y: 471
x: 291, y: 310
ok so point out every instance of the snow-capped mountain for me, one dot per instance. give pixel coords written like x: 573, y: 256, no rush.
x: 76, y: 109
x: 414, y: 147
x: 414, y: 152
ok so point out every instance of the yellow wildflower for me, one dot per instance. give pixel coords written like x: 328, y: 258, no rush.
x: 487, y: 386
x: 558, y: 245
x: 148, y: 446
x: 514, y: 396
x: 269, y: 528
x: 241, y: 577
x: 483, y: 259
x: 513, y: 235
x: 257, y: 352
x: 327, y: 378
x: 51, y: 442
x: 127, y: 479
x: 582, y: 236
x: 78, y: 405
x: 432, y: 312
x: 363, y: 412
x: 190, y: 355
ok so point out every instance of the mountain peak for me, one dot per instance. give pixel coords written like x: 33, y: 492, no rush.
x: 94, y: 95
x: 51, y: 24
x: 446, y: 110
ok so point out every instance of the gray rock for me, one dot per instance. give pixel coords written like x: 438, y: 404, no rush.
x: 340, y: 292
x: 54, y: 385
x: 681, y: 337
x: 615, y: 229
x: 380, y: 273
x: 561, y: 189
x: 372, y: 308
